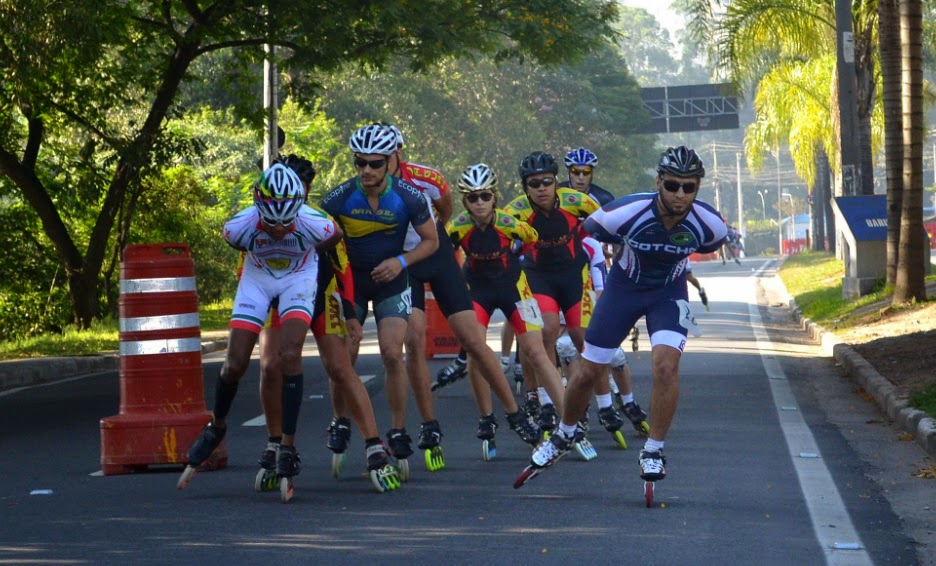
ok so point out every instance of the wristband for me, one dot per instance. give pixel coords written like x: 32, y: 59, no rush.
x: 402, y: 261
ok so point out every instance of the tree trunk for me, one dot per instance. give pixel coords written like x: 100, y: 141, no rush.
x: 819, y: 198
x: 824, y: 183
x: 865, y: 97
x: 910, y: 285
x: 889, y: 18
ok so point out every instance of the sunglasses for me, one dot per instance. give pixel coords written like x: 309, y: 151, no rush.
x: 475, y: 197
x: 674, y: 186
x: 270, y: 223
x: 580, y: 171
x: 375, y: 164
x: 537, y: 183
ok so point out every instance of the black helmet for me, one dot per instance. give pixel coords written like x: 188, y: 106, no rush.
x: 304, y: 168
x: 681, y: 162
x: 538, y: 162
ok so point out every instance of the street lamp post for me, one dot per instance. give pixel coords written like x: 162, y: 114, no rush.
x: 763, y: 206
x: 792, y: 215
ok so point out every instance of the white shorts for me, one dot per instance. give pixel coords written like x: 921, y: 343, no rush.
x: 257, y: 290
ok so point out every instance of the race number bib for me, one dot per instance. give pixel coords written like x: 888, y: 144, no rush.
x: 686, y: 320
x: 530, y: 312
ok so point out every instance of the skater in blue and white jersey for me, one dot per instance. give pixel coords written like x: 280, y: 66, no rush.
x: 657, y: 232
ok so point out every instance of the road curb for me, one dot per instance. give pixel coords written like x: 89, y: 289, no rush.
x: 888, y: 397
x: 35, y: 371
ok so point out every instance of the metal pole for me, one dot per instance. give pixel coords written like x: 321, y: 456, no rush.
x: 850, y: 173
x: 740, y: 198
x: 715, y: 178
x: 779, y: 206
x: 271, y: 129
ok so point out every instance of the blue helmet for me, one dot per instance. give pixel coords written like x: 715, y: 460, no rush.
x: 580, y: 156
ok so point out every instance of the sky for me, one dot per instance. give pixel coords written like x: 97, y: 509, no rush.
x: 661, y: 11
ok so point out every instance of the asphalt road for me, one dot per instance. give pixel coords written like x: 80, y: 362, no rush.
x: 773, y: 458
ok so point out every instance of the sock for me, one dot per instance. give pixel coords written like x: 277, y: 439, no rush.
x: 462, y: 358
x: 292, y: 400
x: 372, y: 441
x: 275, y: 439
x: 629, y: 398
x: 224, y: 396
x: 653, y: 445
x: 544, y: 397
x: 603, y: 400
x: 567, y: 430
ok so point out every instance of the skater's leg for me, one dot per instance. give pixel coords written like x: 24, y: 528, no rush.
x: 579, y: 391
x: 292, y: 337
x: 342, y: 378
x: 538, y: 363
x: 271, y: 382
x: 507, y: 340
x: 236, y: 361
x: 481, y: 390
x: 416, y: 367
x: 665, y: 394
x: 470, y: 335
x: 390, y: 334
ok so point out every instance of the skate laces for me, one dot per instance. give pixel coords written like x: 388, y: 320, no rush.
x: 651, y: 462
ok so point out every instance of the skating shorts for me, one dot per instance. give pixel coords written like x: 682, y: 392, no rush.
x: 621, y: 306
x: 567, y: 353
x: 327, y: 319
x: 391, y: 299
x: 257, y: 291
x: 570, y: 293
x: 445, y: 278
x: 512, y: 296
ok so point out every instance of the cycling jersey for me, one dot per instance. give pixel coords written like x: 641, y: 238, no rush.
x: 489, y: 249
x: 375, y: 235
x: 334, y: 299
x: 596, y: 261
x: 594, y: 191
x: 559, y: 247
x: 433, y: 187
x: 651, y: 255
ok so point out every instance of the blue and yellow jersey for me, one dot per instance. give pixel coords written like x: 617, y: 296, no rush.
x: 373, y: 235
x: 559, y: 247
x: 488, y: 248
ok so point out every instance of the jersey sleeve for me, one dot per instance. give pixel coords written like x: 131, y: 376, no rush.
x: 417, y: 208
x: 714, y: 229
x: 457, y: 228
x: 239, y: 231
x: 318, y: 225
x: 519, y: 208
x: 577, y: 203
x: 519, y: 230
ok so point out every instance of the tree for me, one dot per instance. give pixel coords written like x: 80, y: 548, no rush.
x: 89, y: 85
x: 889, y: 24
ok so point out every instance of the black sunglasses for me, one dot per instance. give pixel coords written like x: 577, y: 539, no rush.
x: 474, y: 197
x: 537, y: 183
x: 271, y: 223
x: 674, y: 186
x: 375, y: 164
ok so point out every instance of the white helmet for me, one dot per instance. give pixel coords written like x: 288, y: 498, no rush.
x: 478, y: 177
x: 279, y: 195
x: 374, y: 139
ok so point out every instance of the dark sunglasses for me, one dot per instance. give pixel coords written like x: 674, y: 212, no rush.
x: 581, y: 171
x: 375, y: 164
x: 537, y: 183
x: 270, y: 223
x: 674, y: 186
x: 475, y: 197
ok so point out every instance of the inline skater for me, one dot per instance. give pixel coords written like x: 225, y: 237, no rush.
x: 580, y: 164
x: 732, y: 245
x: 556, y: 266
x: 488, y: 236
x: 444, y: 276
x: 657, y: 232
x: 280, y: 235
x: 375, y: 210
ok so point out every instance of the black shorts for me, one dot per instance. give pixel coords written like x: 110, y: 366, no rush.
x: 391, y: 299
x: 445, y: 278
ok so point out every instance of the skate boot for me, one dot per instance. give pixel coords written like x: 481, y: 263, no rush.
x: 518, y: 376
x: 450, y: 374
x: 400, y: 445
x: 339, y: 434
x: 585, y: 448
x: 209, y: 439
x: 505, y: 362
x: 381, y: 470
x: 546, y: 453
x: 487, y: 425
x: 547, y: 420
x: 612, y: 421
x: 704, y: 298
x: 637, y: 417
x: 430, y: 438
x: 738, y: 261
x: 287, y: 466
x: 652, y: 469
x: 525, y: 428
x: 635, y: 337
x: 532, y: 406
x: 266, y: 479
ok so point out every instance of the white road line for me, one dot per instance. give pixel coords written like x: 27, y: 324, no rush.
x: 256, y: 421
x: 838, y: 538
x: 50, y: 383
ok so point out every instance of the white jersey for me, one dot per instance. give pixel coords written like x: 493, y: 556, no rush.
x: 596, y: 259
x: 295, y: 253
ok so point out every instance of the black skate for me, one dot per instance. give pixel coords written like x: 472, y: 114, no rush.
x: 430, y: 438
x: 487, y: 426
x: 266, y: 479
x: 546, y: 453
x: 547, y: 420
x: 635, y: 337
x: 637, y: 417
x: 704, y: 298
x: 525, y: 428
x: 582, y: 445
x: 450, y: 374
x: 339, y: 434
x: 532, y: 406
x: 287, y: 466
x: 518, y: 377
x: 200, y: 450
x: 400, y: 445
x: 652, y: 469
x: 612, y: 421
x: 381, y: 470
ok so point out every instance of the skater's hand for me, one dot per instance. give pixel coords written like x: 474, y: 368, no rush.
x: 387, y: 270
x: 355, y: 331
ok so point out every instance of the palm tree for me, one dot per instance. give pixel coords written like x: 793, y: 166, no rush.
x: 889, y: 32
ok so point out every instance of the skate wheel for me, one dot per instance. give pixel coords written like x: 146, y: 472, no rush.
x: 265, y: 480
x: 489, y: 450
x: 526, y: 475
x: 619, y: 438
x: 187, y: 474
x: 648, y: 493
x: 519, y: 387
x: 337, y: 463
x: 403, y: 467
x: 435, y: 461
x: 286, y: 489
x: 586, y: 450
x: 644, y: 428
x: 385, y: 479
